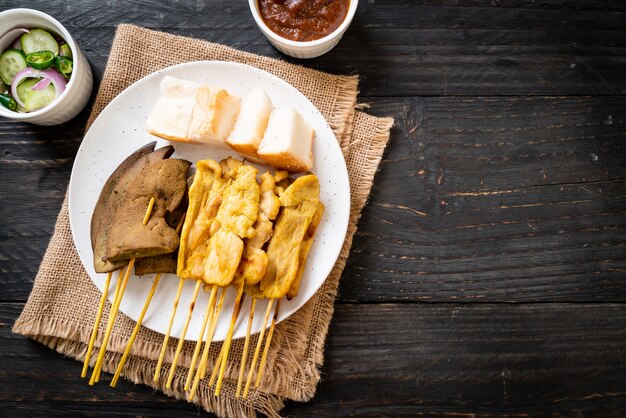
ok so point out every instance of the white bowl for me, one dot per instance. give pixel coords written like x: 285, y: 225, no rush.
x: 78, y: 89
x: 308, y: 49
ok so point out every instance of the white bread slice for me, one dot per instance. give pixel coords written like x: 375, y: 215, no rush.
x: 175, y: 87
x: 288, y: 141
x: 214, y: 115
x: 171, y: 115
x: 250, y: 127
x: 191, y: 112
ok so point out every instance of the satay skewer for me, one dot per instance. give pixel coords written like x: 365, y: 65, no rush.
x: 222, y: 358
x: 201, y: 372
x: 95, y: 375
x: 131, y: 340
x: 116, y: 292
x: 257, y: 350
x: 244, y: 355
x: 229, y: 337
x: 208, y: 317
x: 217, y: 365
x: 181, y: 341
x: 96, y: 325
x: 119, y: 293
x: 267, y: 346
x: 157, y: 371
x: 216, y: 317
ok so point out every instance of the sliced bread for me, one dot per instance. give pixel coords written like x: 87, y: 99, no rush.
x: 288, y: 141
x: 214, y: 115
x: 191, y: 112
x: 171, y: 115
x: 251, y: 124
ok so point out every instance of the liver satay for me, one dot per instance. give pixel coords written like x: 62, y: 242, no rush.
x: 129, y: 220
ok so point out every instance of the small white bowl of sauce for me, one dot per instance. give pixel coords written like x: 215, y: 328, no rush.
x: 303, y: 28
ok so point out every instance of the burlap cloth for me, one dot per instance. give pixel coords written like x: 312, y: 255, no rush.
x: 62, y: 306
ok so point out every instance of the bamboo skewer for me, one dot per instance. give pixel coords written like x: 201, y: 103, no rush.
x: 208, y: 318
x: 201, y: 372
x: 95, y: 376
x: 217, y: 365
x: 216, y: 317
x: 157, y: 372
x: 257, y: 350
x: 181, y: 282
x: 119, y: 292
x: 267, y: 346
x: 229, y: 337
x: 118, y: 285
x: 146, y: 217
x: 96, y: 324
x: 244, y: 355
x: 135, y: 331
x: 226, y: 346
x: 181, y: 341
x: 116, y: 294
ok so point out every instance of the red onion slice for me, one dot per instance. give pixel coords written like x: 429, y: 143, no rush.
x: 11, y: 34
x: 55, y: 78
x: 45, y: 82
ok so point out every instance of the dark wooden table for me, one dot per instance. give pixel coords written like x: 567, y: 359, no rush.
x: 488, y: 275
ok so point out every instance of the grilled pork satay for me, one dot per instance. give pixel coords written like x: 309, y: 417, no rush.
x: 205, y: 197
x: 287, y: 252
x: 300, y: 201
x: 305, y: 247
x: 254, y: 261
x: 223, y: 205
x: 236, y: 216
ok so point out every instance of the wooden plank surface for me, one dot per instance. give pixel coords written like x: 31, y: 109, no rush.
x: 508, y: 199
x: 504, y: 181
x: 391, y: 359
x: 404, y: 47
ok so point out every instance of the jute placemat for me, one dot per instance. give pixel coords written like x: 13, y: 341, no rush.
x: 62, y: 305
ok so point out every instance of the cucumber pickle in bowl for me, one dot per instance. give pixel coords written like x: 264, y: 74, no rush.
x: 44, y: 77
x: 35, y: 70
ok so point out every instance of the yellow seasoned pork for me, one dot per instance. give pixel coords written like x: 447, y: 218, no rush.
x: 205, y: 196
x: 300, y: 201
x: 305, y: 247
x: 223, y: 206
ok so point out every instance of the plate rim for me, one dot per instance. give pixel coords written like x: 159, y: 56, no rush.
x: 246, y: 67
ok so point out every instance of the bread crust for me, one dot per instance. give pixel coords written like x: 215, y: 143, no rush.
x: 285, y: 160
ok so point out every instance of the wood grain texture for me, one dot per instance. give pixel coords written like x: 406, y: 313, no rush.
x: 406, y: 47
x: 390, y: 360
x: 496, y: 199
x: 504, y: 181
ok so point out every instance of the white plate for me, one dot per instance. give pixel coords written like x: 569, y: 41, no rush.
x: 119, y: 130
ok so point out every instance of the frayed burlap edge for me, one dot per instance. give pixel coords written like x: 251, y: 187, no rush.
x: 139, y: 370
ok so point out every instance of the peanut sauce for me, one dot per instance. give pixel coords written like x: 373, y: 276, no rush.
x: 303, y: 20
